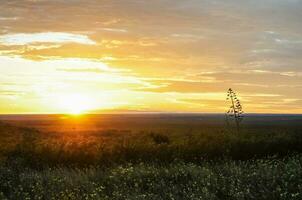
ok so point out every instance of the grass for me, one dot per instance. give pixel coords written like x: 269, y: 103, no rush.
x: 224, y: 179
x: 208, y: 163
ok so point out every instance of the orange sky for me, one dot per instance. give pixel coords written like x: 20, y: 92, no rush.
x: 76, y: 56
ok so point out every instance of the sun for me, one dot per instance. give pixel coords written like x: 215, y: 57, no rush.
x: 76, y: 104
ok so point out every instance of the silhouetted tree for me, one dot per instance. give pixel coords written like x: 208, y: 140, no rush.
x: 235, y: 110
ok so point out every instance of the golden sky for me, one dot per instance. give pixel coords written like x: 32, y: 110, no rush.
x: 63, y: 56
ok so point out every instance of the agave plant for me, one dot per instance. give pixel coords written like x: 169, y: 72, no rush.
x: 235, y: 110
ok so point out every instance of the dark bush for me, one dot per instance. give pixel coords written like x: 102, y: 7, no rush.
x: 158, y: 138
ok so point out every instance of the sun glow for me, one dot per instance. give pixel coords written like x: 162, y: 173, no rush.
x: 76, y: 103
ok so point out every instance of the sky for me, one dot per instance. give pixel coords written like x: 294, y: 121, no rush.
x: 72, y: 56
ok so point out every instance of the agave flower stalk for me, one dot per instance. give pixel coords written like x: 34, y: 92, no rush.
x: 235, y: 110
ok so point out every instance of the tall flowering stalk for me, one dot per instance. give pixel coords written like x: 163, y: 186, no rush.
x: 235, y: 110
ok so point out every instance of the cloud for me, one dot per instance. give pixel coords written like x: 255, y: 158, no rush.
x: 10, y: 93
x: 114, y: 30
x: 168, y: 47
x: 8, y: 18
x: 262, y: 95
x: 45, y: 37
x: 82, y: 70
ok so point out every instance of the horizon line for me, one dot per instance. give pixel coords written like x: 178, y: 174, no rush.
x: 143, y: 112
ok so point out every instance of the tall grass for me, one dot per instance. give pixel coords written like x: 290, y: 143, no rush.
x: 213, y: 163
x: 36, y: 149
x: 268, y: 178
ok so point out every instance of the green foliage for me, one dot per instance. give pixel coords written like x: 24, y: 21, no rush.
x: 268, y: 178
x: 209, y: 163
x: 38, y: 150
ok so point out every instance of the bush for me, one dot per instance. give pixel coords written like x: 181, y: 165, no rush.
x: 160, y: 138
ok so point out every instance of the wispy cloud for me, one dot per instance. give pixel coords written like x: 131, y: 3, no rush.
x: 8, y: 18
x: 46, y: 37
x: 81, y: 70
x: 164, y: 57
x: 114, y: 30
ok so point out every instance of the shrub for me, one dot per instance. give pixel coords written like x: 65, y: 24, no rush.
x: 160, y: 138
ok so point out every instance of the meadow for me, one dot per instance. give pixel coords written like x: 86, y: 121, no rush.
x: 150, y: 157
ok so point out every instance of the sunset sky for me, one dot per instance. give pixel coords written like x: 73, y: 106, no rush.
x: 69, y: 56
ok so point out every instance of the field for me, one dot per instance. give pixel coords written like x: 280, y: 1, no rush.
x: 150, y: 156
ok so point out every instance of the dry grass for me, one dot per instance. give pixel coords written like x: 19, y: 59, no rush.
x: 209, y: 163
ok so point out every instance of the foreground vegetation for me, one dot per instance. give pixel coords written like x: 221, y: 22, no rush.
x: 209, y: 163
x: 254, y: 179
